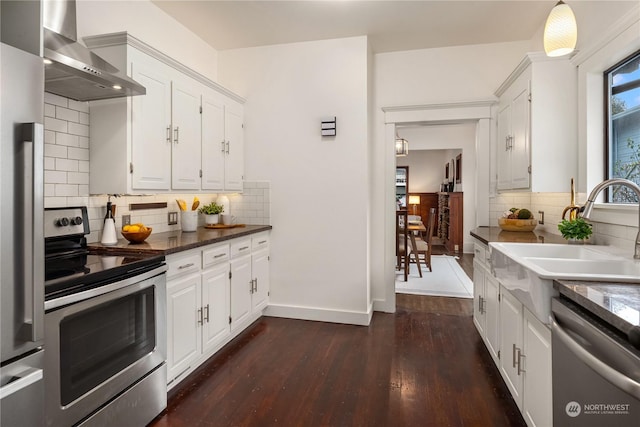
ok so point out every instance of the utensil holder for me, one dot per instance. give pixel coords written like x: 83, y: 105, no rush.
x: 189, y: 220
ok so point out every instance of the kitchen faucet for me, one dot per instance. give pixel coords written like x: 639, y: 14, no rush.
x: 588, y: 207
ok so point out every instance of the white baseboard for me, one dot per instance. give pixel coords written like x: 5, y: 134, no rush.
x: 320, y: 314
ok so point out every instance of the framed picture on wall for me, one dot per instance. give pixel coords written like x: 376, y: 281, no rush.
x: 459, y: 169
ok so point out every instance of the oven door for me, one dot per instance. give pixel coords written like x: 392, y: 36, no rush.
x: 100, y: 347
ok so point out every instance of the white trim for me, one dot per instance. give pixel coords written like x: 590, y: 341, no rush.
x: 528, y: 59
x: 120, y: 38
x: 320, y: 314
x: 629, y: 19
x: 440, y: 113
x: 618, y: 214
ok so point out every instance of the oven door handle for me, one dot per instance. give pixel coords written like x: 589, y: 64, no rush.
x: 623, y: 382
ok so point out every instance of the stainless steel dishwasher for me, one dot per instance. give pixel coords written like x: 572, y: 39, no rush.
x: 596, y: 370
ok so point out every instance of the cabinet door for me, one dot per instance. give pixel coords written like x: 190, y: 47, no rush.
x: 234, y: 134
x: 520, y: 154
x: 186, y: 136
x: 151, y: 126
x: 183, y: 334
x: 240, y: 290
x: 260, y: 273
x: 510, y: 342
x: 538, y: 402
x: 215, y: 298
x: 492, y: 315
x: 479, y: 318
x: 502, y: 148
x: 213, y: 143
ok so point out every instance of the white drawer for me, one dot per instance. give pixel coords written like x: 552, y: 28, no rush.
x: 215, y: 255
x: 480, y: 253
x: 260, y: 241
x: 183, y: 264
x: 240, y: 247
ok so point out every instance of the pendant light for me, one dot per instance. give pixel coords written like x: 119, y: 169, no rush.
x: 560, y: 31
x: 402, y: 147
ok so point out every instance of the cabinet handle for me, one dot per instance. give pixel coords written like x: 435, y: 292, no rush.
x: 244, y: 248
x: 223, y: 145
x: 218, y: 256
x: 255, y: 285
x: 206, y: 316
x: 169, y: 133
x: 480, y: 303
x: 227, y: 147
x: 262, y: 242
x: 506, y: 143
x: 251, y: 286
x: 520, y: 357
x: 514, y: 355
x: 200, y: 316
x: 176, y: 131
x: 182, y: 267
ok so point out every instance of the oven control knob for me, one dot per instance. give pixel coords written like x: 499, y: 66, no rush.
x: 76, y: 221
x: 62, y: 222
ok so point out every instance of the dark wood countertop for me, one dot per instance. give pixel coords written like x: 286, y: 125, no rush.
x: 177, y: 241
x: 495, y: 234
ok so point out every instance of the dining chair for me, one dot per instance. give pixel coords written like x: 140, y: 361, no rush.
x: 402, y: 242
x: 421, y: 249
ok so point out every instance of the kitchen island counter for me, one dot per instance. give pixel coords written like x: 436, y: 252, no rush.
x: 176, y: 241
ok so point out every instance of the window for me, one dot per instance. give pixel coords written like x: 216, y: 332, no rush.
x: 623, y: 126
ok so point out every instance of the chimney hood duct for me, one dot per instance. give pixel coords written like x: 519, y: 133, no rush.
x: 74, y: 71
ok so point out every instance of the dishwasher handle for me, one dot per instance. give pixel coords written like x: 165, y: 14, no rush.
x: 624, y: 383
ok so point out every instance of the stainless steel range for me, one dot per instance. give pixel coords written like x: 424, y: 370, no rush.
x: 105, y: 318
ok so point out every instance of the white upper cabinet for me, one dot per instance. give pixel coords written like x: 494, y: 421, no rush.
x: 222, y: 143
x: 536, y: 143
x: 185, y: 134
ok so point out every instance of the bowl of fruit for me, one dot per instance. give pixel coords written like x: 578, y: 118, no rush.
x: 517, y: 220
x: 136, y: 233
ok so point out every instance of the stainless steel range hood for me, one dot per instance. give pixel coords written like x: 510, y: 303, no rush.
x: 74, y: 71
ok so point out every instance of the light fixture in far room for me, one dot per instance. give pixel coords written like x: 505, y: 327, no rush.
x: 414, y: 200
x: 402, y: 147
x: 560, y: 31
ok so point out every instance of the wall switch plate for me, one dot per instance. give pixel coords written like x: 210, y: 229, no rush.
x: 126, y: 220
x: 172, y: 218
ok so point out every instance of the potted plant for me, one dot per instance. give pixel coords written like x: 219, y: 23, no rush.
x: 211, y: 212
x: 575, y: 230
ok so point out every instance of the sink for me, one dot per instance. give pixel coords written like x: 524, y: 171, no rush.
x: 527, y: 270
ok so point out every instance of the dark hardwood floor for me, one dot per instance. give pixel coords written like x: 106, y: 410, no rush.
x: 425, y: 365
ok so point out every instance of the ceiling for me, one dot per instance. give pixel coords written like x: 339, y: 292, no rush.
x: 390, y: 25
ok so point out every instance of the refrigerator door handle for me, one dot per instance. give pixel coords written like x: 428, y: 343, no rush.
x: 21, y: 381
x: 33, y: 231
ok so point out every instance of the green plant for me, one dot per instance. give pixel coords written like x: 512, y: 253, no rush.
x: 578, y: 229
x: 211, y: 209
x: 524, y: 214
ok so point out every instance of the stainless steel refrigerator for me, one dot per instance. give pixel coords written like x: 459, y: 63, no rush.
x: 21, y: 238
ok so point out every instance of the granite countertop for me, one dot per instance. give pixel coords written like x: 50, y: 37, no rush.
x: 177, y: 241
x: 618, y: 304
x: 495, y: 234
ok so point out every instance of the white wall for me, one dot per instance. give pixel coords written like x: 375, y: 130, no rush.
x: 319, y: 186
x: 147, y: 22
x: 426, y: 169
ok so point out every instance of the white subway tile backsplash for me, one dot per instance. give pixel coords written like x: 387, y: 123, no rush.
x: 49, y: 163
x: 83, y: 165
x: 56, y: 125
x: 83, y: 142
x: 67, y: 114
x: 83, y: 118
x: 67, y: 139
x: 66, y: 165
x: 49, y: 137
x: 51, y: 150
x: 50, y: 98
x: 49, y: 110
x: 66, y: 190
x: 79, y: 106
x: 78, y: 129
x: 55, y: 177
x: 78, y: 178
x: 78, y: 153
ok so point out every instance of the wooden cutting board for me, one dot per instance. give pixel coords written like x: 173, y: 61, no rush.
x: 214, y: 226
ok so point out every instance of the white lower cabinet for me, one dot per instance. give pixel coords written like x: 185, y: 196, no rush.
x: 213, y: 294
x: 526, y: 361
x: 518, y: 342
